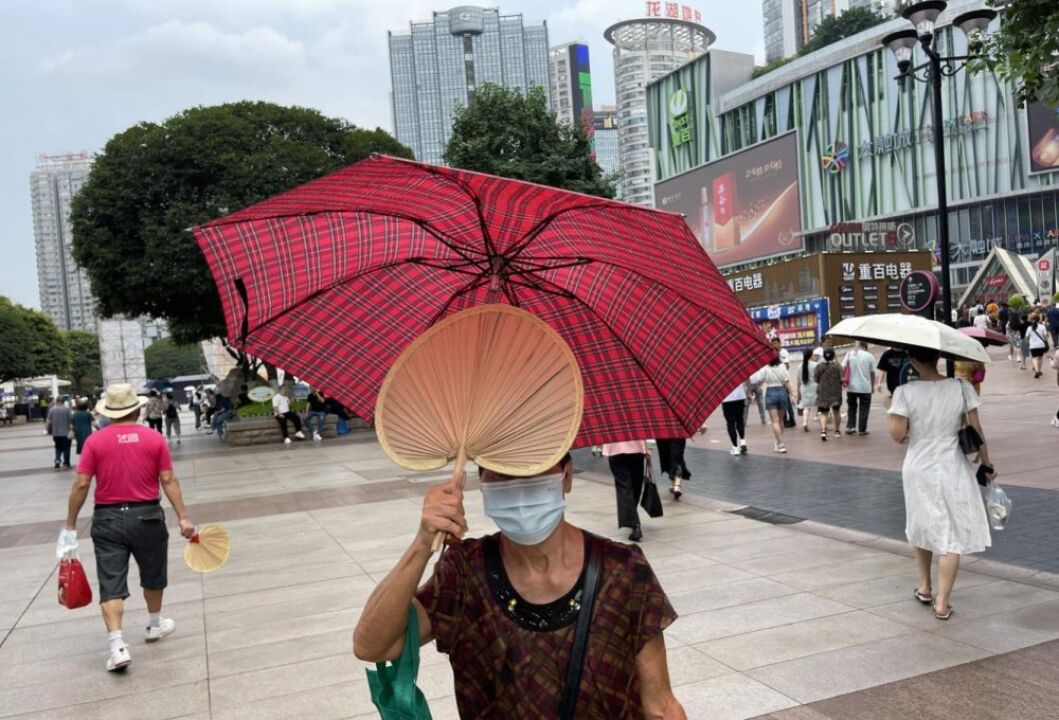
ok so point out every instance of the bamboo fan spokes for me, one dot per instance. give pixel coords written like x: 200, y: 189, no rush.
x: 492, y: 383
x: 208, y: 548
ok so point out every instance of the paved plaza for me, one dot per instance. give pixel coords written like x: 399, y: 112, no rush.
x: 811, y: 620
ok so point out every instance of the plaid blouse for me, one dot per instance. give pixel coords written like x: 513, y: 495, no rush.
x: 503, y: 670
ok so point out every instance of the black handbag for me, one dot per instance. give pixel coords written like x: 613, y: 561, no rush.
x: 650, y: 500
x: 576, y: 664
x: 970, y: 441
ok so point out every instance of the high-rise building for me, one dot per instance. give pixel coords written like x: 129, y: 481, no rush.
x: 436, y: 65
x: 605, y: 139
x: 644, y: 50
x: 65, y: 295
x: 571, y: 83
x: 790, y: 24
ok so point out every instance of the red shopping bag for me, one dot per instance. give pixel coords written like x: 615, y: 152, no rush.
x: 74, y: 590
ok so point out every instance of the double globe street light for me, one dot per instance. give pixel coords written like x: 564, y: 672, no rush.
x: 924, y: 16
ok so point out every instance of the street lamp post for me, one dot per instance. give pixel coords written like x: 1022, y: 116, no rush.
x: 924, y: 15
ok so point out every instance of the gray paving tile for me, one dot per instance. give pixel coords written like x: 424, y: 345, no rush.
x: 787, y: 642
x: 730, y: 697
x: 974, y: 602
x: 854, y: 668
x: 712, y: 624
x: 182, y: 702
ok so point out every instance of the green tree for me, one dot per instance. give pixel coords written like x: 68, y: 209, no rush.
x: 86, y: 371
x: 166, y: 359
x: 30, y: 344
x: 839, y: 27
x: 153, y: 182
x: 1025, y: 51
x: 15, y: 359
x: 502, y: 132
x: 1017, y: 302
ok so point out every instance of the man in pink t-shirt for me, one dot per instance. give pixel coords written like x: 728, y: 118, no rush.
x: 130, y: 463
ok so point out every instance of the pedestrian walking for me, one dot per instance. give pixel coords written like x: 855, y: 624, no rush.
x: 1024, y: 341
x: 1014, y: 332
x: 281, y: 409
x: 828, y: 376
x: 777, y: 383
x: 734, y: 409
x: 981, y: 320
x: 944, y: 513
x: 889, y: 369
x: 507, y: 609
x: 1037, y: 343
x: 130, y: 465
x: 58, y: 424
x: 785, y: 360
x: 671, y: 462
x: 1055, y: 366
x: 317, y: 414
x: 627, y: 461
x: 172, y: 418
x: 862, y: 367
x: 1053, y: 323
x: 756, y: 395
x: 83, y: 424
x: 195, y: 406
x: 807, y: 387
x: 155, y: 410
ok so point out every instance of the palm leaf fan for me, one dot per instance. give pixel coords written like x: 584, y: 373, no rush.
x: 208, y: 548
x: 492, y: 384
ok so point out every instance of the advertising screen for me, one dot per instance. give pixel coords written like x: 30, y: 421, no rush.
x: 800, y: 325
x: 743, y: 207
x: 1043, y: 123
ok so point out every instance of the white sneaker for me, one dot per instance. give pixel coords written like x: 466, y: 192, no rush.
x: 165, y: 627
x: 735, y: 450
x: 119, y: 658
x: 316, y: 437
x: 300, y: 435
x: 1055, y: 422
x: 286, y: 441
x: 778, y: 447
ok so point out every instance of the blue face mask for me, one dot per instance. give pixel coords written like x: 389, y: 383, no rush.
x: 527, y: 510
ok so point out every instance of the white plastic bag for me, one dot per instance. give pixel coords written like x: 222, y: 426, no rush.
x: 997, y: 505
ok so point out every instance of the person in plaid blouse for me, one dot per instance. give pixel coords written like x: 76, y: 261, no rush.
x: 504, y: 608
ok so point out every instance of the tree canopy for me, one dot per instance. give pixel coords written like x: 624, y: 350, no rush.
x: 1025, y: 51
x: 86, y: 370
x: 503, y: 132
x: 838, y: 27
x: 154, y: 181
x: 30, y: 344
x: 166, y: 359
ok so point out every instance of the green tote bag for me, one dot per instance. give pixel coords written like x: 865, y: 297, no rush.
x: 393, y: 685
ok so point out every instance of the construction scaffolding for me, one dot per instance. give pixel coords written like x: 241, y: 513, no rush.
x: 121, y: 352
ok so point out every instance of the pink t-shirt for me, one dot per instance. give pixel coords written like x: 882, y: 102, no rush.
x: 126, y: 459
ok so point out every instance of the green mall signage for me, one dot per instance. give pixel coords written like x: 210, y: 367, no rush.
x: 679, y: 120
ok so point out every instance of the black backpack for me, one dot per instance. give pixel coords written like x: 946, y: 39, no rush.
x: 170, y: 409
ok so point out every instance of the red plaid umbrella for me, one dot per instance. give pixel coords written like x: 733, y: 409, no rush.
x: 331, y: 280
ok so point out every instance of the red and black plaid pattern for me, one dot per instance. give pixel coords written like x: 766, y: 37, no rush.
x: 342, y: 273
x: 502, y: 670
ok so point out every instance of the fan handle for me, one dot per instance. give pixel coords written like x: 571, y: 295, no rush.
x: 459, y: 475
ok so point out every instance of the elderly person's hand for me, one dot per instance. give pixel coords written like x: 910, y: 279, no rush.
x: 442, y: 512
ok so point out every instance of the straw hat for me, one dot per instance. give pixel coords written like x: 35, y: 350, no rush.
x: 118, y: 401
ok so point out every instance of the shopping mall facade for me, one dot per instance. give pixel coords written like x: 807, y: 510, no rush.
x: 830, y: 153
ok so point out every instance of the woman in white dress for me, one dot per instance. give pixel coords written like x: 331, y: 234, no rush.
x: 944, y: 512
x: 807, y: 387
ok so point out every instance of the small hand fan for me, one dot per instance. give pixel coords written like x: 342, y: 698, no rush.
x: 208, y: 548
x: 493, y: 384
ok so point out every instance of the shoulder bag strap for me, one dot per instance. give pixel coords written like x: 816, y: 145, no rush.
x: 574, y: 668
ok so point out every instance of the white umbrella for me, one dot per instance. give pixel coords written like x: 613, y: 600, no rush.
x: 908, y: 331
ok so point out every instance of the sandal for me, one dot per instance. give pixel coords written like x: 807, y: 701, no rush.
x: 675, y: 489
x: 927, y: 599
x: 946, y: 615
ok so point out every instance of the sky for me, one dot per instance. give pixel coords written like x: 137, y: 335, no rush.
x: 73, y: 73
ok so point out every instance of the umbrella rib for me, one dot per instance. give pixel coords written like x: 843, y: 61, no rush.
x: 620, y: 339
x: 474, y: 284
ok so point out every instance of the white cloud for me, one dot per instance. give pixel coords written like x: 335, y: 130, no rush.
x: 183, y: 48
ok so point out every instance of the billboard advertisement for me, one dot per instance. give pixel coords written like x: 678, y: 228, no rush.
x: 581, y: 84
x: 678, y: 119
x: 1043, y: 125
x: 800, y: 325
x: 744, y: 207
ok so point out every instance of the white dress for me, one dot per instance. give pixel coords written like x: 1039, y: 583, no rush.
x: 944, y: 511
x: 808, y: 389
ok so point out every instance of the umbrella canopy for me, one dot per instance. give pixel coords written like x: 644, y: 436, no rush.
x: 985, y: 335
x: 911, y: 331
x: 333, y: 279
